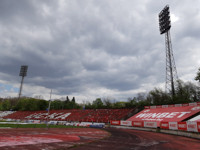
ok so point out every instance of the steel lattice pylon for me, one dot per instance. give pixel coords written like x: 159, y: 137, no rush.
x: 171, y: 72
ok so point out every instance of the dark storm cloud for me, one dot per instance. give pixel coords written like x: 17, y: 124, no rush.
x: 92, y: 48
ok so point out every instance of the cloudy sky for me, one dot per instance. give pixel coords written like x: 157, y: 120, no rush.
x: 94, y: 48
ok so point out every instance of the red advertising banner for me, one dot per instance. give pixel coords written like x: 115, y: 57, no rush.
x: 170, y: 114
x: 115, y: 122
x: 164, y: 125
x: 182, y: 126
x: 137, y: 123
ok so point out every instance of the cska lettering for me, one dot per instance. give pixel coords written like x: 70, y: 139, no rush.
x: 162, y: 115
x: 64, y: 116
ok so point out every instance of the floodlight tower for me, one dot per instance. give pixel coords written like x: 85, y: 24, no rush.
x: 23, y: 73
x: 171, y: 73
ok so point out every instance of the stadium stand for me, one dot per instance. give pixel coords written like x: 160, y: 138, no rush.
x: 178, y: 117
x: 167, y: 113
x: 196, y: 118
x: 73, y: 115
x: 5, y: 113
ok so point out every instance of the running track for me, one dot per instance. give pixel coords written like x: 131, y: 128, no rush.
x: 126, y: 139
x: 92, y: 139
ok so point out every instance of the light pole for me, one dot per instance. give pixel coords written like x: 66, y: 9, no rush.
x: 171, y: 73
x: 23, y: 73
x: 49, y: 108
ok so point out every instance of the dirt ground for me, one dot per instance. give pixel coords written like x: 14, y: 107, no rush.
x: 43, y: 139
x: 126, y: 139
x: 92, y: 139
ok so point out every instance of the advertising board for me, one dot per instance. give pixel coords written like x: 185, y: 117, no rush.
x: 126, y: 123
x: 192, y: 126
x: 150, y: 124
x: 115, y: 122
x: 164, y: 125
x: 137, y: 123
x: 173, y: 125
x: 182, y: 126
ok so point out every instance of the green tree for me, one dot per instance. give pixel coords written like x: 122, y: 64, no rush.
x: 67, y: 99
x: 158, y: 97
x: 187, y: 92
x: 97, y: 104
x: 42, y: 104
x: 73, y: 100
x: 198, y: 75
x: 132, y: 102
x: 119, y: 105
x: 31, y: 104
x: 1, y: 108
x: 107, y: 103
x: 6, y: 105
x: 88, y: 105
x: 56, y: 104
x: 67, y: 103
x: 141, y: 96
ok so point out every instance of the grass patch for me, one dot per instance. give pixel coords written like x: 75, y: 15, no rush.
x: 36, y: 126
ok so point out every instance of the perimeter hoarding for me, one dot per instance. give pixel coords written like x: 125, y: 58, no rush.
x: 170, y: 114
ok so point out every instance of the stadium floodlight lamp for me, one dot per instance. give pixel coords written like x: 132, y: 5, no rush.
x: 23, y: 71
x: 164, y: 20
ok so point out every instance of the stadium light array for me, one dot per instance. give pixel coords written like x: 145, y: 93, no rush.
x: 164, y: 20
x: 22, y: 73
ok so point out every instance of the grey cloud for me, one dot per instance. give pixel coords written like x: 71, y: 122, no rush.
x: 73, y: 46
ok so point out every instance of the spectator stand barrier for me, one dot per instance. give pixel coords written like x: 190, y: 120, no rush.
x: 188, y: 126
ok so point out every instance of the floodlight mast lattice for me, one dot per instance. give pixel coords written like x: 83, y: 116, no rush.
x: 171, y: 73
x: 23, y: 73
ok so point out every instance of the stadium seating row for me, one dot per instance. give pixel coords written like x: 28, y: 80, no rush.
x: 5, y: 113
x: 74, y: 115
